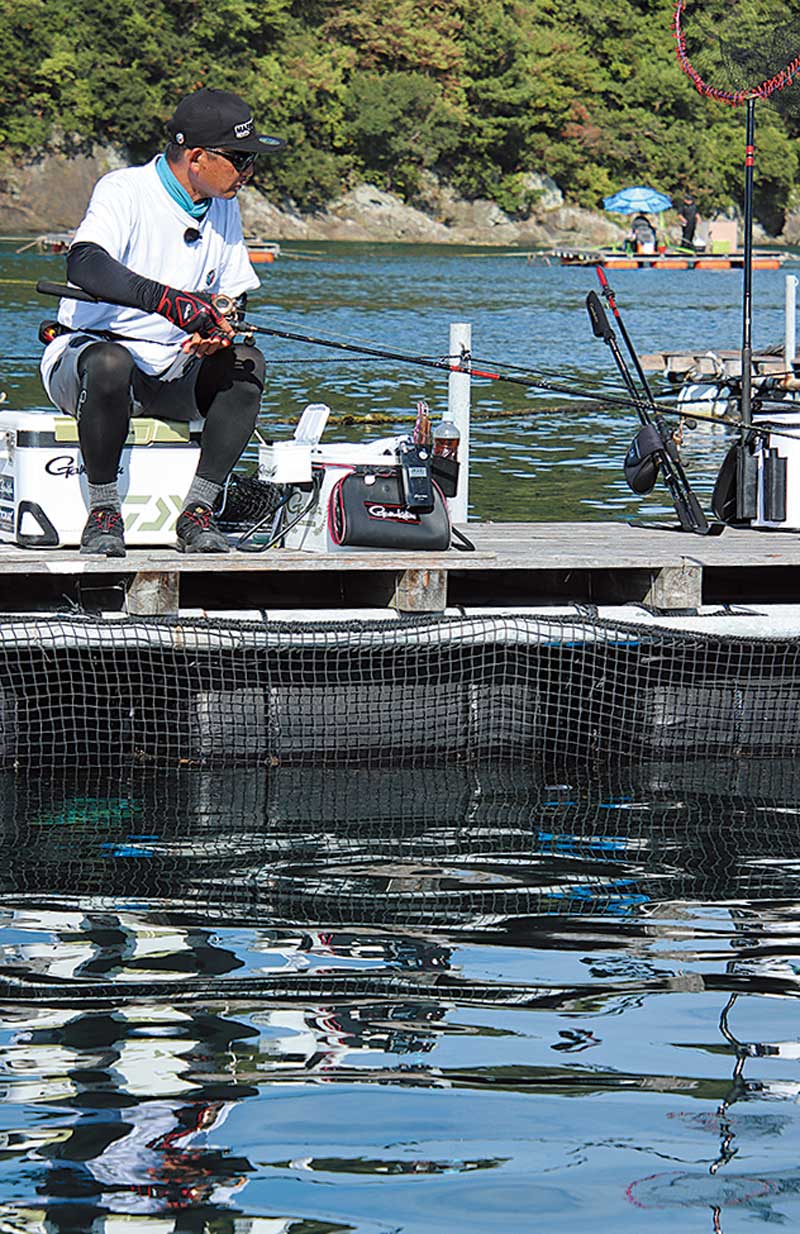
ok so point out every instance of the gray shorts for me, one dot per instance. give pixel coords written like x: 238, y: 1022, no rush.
x: 164, y: 396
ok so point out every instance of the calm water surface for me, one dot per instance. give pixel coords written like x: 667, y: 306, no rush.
x: 310, y: 1001
x: 384, y: 1001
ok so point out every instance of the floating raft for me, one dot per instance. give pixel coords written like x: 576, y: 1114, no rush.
x: 615, y: 260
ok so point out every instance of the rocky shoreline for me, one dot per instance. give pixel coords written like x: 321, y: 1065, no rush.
x: 367, y: 213
x: 50, y: 194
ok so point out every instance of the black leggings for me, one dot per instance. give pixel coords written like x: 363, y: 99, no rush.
x: 227, y: 392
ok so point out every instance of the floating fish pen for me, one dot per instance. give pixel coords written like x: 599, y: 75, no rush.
x: 106, y: 692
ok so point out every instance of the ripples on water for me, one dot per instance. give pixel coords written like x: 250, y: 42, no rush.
x: 309, y: 1001
x: 556, y: 458
x: 387, y: 1000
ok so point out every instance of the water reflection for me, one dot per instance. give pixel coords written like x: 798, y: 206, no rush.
x: 222, y: 990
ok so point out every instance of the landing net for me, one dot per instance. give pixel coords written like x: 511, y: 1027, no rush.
x: 735, y: 52
x: 96, y: 692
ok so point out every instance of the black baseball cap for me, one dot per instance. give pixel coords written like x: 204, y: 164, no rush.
x: 218, y: 118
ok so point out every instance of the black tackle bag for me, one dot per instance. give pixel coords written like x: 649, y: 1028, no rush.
x: 366, y: 510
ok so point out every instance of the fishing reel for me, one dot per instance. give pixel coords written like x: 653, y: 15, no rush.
x: 232, y: 309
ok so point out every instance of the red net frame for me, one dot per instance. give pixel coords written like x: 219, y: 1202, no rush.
x: 733, y: 97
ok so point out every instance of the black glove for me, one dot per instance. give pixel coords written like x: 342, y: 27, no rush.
x: 192, y: 312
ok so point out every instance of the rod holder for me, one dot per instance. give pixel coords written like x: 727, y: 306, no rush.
x: 458, y: 407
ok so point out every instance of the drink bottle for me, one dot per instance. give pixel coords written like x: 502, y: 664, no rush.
x: 446, y: 437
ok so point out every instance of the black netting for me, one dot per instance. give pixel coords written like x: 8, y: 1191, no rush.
x: 108, y: 693
x: 246, y: 501
x: 392, y: 866
x: 732, y: 49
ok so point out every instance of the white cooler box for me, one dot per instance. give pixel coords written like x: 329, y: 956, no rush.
x: 43, y: 484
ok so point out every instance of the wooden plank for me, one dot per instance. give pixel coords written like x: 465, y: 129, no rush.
x: 64, y: 561
x: 706, y: 361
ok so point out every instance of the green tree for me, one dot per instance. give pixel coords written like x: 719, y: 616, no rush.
x: 396, y: 124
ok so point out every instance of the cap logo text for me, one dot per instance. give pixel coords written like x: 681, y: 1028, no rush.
x: 243, y: 130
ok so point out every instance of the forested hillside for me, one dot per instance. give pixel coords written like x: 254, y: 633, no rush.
x: 481, y: 93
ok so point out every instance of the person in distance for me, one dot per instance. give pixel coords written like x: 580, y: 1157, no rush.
x: 156, y: 246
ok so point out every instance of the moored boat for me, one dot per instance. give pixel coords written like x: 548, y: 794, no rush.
x: 262, y: 251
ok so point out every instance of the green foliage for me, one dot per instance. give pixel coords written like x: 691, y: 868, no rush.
x: 396, y: 124
x: 587, y: 91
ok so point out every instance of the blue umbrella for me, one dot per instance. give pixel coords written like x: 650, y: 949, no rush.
x: 636, y: 200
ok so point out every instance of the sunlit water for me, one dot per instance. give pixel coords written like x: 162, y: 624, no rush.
x: 308, y: 1001
x: 384, y: 1001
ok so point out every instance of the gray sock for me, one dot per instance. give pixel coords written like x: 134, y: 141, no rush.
x: 203, y: 491
x: 104, y: 495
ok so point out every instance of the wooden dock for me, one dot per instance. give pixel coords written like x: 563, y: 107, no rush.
x: 710, y: 364
x: 514, y: 564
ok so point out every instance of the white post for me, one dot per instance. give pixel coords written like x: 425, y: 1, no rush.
x: 790, y: 321
x: 458, y: 393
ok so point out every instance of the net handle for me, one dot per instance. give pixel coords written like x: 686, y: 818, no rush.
x: 733, y: 97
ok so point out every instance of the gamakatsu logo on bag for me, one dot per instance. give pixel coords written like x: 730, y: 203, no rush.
x: 155, y: 513
x: 390, y: 514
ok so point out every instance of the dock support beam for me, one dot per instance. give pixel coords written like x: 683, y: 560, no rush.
x: 676, y: 587
x: 421, y: 591
x: 153, y: 594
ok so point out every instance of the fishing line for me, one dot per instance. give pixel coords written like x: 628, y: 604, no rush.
x: 294, y: 332
x: 442, y: 358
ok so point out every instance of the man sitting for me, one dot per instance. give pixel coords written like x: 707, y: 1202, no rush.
x: 156, y: 245
x: 643, y: 235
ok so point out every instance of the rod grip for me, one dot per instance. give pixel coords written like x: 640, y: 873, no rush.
x: 64, y: 291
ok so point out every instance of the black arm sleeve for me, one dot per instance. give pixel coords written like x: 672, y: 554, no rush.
x: 89, y: 266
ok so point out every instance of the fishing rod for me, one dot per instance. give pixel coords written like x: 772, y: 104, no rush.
x: 465, y: 365
x: 687, y: 507
x: 653, y: 448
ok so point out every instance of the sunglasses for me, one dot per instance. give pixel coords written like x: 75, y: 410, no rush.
x: 241, y: 160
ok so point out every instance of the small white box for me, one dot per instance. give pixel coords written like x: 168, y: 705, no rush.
x: 312, y: 533
x: 43, y: 490
x: 284, y: 462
